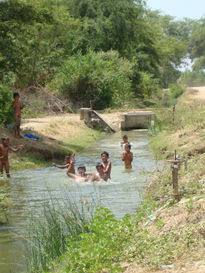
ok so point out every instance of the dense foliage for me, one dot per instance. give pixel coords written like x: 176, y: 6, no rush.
x: 96, y: 77
x: 40, y: 40
x: 6, y: 111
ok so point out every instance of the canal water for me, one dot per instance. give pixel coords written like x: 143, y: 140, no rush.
x: 32, y: 189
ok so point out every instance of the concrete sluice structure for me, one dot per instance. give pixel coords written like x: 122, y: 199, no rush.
x: 133, y: 120
x: 93, y: 120
x: 137, y: 120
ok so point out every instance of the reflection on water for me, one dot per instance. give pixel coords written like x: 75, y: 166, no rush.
x: 32, y: 189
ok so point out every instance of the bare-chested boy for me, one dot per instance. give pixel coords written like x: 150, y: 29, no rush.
x: 67, y: 164
x: 4, y: 151
x: 82, y: 177
x: 127, y: 156
x: 17, y: 114
x: 106, y: 164
x: 99, y: 174
x: 124, y: 141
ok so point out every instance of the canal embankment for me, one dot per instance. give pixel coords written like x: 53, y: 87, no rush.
x: 164, y: 235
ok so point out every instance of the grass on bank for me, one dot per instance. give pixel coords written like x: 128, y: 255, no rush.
x: 41, y: 153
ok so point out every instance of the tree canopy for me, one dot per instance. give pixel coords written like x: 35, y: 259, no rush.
x: 38, y: 38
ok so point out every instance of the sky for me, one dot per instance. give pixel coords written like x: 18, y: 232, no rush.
x: 193, y: 9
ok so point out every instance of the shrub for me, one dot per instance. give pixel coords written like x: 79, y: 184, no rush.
x: 176, y: 90
x: 6, y: 110
x: 147, y: 85
x: 103, y: 78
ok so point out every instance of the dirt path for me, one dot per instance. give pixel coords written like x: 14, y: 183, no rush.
x: 200, y: 92
x: 67, y: 125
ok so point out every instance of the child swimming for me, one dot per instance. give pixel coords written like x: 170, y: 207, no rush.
x: 82, y: 177
x: 4, y: 151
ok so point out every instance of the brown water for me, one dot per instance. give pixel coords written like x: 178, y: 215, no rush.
x: 31, y: 190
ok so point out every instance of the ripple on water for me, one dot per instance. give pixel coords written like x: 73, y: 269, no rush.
x: 31, y: 190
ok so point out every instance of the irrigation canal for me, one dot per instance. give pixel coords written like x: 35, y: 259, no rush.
x: 32, y: 189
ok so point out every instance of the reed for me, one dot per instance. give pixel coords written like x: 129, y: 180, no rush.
x: 48, y: 234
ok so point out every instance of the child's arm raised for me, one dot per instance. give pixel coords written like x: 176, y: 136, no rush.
x: 61, y: 166
x: 123, y: 156
x: 70, y: 167
x: 16, y: 149
x: 108, y: 168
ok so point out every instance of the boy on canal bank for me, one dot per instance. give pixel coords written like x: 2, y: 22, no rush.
x: 127, y: 156
x: 106, y: 164
x: 17, y: 114
x: 4, y: 151
x: 67, y: 164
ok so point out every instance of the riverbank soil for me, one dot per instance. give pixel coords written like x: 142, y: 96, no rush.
x: 165, y: 235
x: 184, y: 219
x: 58, y: 136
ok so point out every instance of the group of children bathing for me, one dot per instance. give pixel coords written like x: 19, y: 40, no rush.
x: 103, y: 169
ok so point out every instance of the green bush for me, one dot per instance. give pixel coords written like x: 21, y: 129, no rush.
x: 6, y: 110
x: 103, y: 78
x: 147, y: 85
x: 176, y: 90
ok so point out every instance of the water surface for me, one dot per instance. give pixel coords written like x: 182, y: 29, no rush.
x: 32, y: 189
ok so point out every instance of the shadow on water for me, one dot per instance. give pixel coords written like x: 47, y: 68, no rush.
x: 31, y: 190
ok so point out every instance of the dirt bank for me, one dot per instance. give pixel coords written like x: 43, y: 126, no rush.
x: 186, y: 135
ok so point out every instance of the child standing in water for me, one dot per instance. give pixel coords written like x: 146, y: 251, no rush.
x: 17, y: 114
x: 4, y: 151
x: 127, y: 156
x: 124, y: 141
x: 67, y: 164
x: 106, y: 164
x: 99, y: 173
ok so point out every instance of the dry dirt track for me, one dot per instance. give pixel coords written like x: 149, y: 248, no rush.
x: 200, y: 94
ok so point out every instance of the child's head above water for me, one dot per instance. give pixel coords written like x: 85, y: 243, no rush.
x: 67, y: 158
x: 99, y: 166
x: 104, y: 156
x: 125, y: 138
x: 127, y: 147
x: 81, y: 169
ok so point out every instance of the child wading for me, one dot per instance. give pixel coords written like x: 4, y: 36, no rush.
x: 4, y: 151
x: 17, y: 114
x: 124, y: 141
x: 106, y: 164
x: 127, y: 156
x: 99, y: 173
x: 67, y: 164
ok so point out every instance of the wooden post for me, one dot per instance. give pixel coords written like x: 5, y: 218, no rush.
x: 175, y: 169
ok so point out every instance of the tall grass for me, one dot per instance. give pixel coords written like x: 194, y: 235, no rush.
x: 49, y: 233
